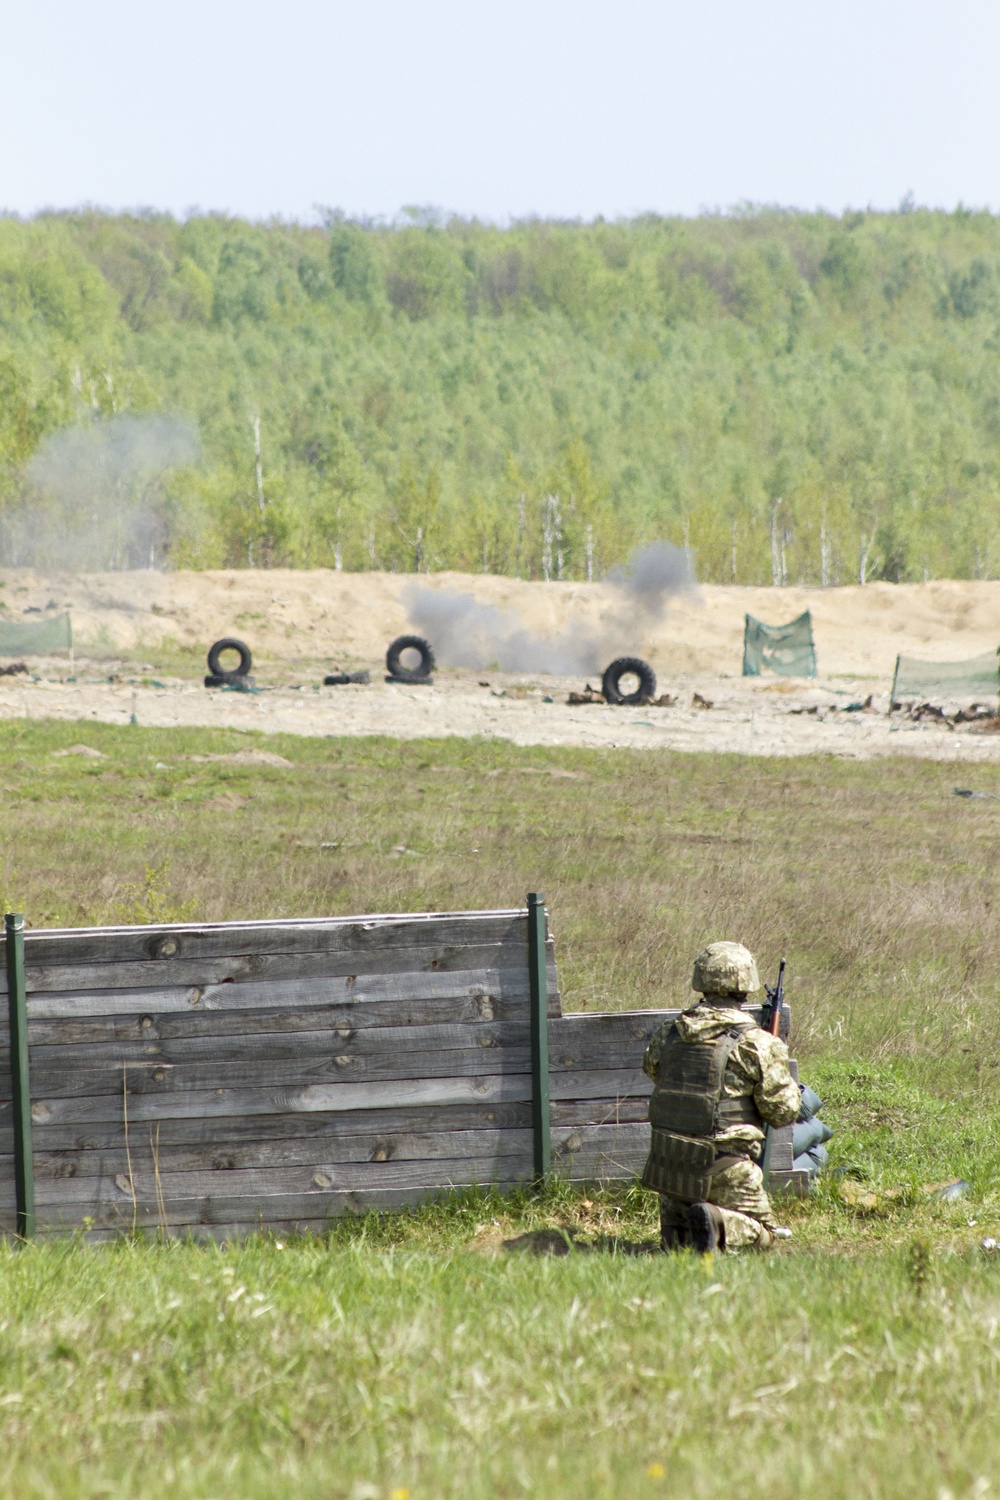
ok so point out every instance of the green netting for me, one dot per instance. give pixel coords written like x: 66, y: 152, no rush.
x: 785, y: 649
x: 960, y: 681
x: 35, y: 637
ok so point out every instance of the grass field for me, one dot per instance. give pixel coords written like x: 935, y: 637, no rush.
x: 418, y: 1355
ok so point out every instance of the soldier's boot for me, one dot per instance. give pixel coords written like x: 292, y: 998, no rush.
x: 673, y: 1237
x: 706, y: 1228
x: 673, y: 1225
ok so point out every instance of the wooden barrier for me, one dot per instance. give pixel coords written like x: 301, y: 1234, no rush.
x: 217, y: 1079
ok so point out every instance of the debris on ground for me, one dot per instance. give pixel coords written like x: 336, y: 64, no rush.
x: 699, y: 702
x: 245, y: 758
x: 589, y: 695
x: 978, y: 714
x: 870, y: 1200
x: 569, y: 1241
x: 14, y: 668
x: 948, y: 1192
x: 963, y: 791
x: 341, y: 679
x: 81, y: 750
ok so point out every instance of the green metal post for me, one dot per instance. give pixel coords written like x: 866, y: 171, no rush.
x: 24, y: 1167
x: 539, y: 1003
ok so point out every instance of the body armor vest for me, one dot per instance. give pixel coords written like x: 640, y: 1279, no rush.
x: 687, y: 1110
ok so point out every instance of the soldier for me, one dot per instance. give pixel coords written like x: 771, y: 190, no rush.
x: 719, y: 1081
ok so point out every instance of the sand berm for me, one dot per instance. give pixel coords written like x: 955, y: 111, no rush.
x: 301, y: 624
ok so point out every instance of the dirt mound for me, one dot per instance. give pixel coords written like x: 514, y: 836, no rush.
x: 350, y: 618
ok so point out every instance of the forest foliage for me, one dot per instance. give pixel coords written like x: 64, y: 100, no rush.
x: 796, y: 397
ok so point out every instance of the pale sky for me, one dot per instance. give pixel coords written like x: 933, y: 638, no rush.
x: 569, y: 108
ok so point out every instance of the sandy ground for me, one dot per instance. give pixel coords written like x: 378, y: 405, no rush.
x: 301, y: 624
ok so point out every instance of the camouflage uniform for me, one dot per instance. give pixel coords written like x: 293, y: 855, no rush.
x: 756, y: 1069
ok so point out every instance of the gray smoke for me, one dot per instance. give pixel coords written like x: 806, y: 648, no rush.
x: 95, y: 497
x: 465, y: 633
x: 654, y: 575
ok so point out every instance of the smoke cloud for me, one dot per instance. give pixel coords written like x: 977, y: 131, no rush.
x: 465, y: 633
x: 654, y: 575
x: 97, y: 498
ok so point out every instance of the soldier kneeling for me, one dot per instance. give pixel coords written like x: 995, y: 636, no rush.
x: 719, y: 1081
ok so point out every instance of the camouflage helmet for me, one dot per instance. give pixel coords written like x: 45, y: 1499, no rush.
x: 725, y: 969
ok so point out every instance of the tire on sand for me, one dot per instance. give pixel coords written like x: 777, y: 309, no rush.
x: 229, y: 674
x: 393, y: 659
x: 626, y: 666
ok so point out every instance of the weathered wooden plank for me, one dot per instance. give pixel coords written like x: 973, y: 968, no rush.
x: 320, y: 1040
x: 373, y: 1000
x: 240, y: 1213
x: 171, y: 1198
x: 122, y: 1179
x: 602, y: 1111
x: 434, y: 1092
x: 260, y: 967
x: 583, y: 1039
x: 225, y: 1134
x: 324, y: 1065
x: 92, y: 1194
x: 233, y: 1161
x: 237, y: 1216
x: 336, y: 1050
x: 221, y: 1103
x: 169, y: 941
x: 67, y: 1140
x: 371, y: 1147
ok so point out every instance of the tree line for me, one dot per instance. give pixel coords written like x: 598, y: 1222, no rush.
x: 796, y: 397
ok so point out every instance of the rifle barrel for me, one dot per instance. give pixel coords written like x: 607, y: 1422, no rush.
x: 777, y: 996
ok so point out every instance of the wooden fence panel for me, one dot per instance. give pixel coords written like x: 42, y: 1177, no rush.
x: 218, y: 1079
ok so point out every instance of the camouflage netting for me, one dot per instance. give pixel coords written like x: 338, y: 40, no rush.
x: 946, y: 681
x: 35, y: 638
x: 787, y: 650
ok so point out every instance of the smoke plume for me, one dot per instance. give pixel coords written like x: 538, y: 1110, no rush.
x: 654, y: 575
x: 96, y: 497
x: 465, y: 633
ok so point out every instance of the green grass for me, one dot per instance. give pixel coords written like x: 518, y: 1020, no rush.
x: 415, y: 1352
x: 366, y: 1369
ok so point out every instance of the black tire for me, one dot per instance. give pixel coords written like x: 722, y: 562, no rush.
x: 623, y: 667
x: 228, y: 643
x: 395, y: 667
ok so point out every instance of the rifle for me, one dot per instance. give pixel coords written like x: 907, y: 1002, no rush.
x: 776, y: 999
x: 772, y: 1023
